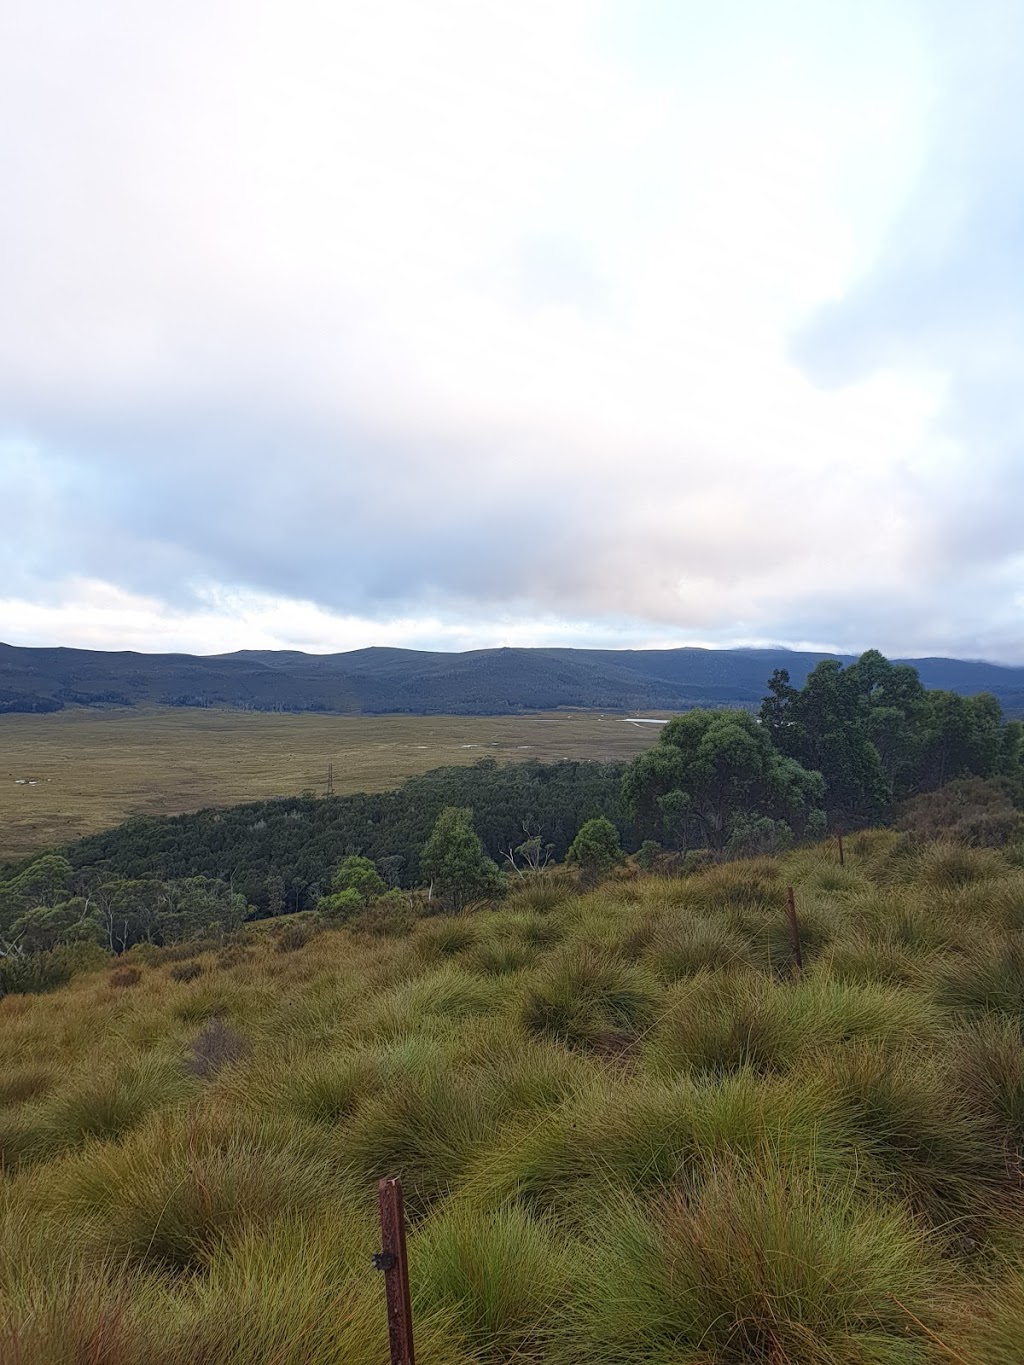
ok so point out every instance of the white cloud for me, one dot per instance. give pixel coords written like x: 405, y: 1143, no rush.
x: 392, y: 321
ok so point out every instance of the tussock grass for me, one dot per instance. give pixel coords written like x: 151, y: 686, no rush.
x: 988, y: 978
x: 629, y: 1132
x: 503, y: 1275
x: 168, y: 1198
x: 744, y: 1270
x: 583, y: 994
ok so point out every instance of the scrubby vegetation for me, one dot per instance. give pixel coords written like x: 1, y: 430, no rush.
x: 629, y: 1131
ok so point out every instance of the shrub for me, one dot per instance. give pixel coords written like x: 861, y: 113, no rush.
x: 389, y: 916
x: 185, y: 971
x: 360, y: 875
x: 33, y: 973
x: 216, y: 1047
x: 341, y: 906
x: 295, y: 934
x: 974, y: 811
x: 596, y: 848
x: 125, y: 977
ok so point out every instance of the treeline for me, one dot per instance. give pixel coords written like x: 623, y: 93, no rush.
x: 280, y: 854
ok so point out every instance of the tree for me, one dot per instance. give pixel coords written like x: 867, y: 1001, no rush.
x: 454, y: 862
x: 960, y: 737
x: 46, y: 927
x: 721, y: 765
x: 596, y: 848
x: 358, y: 874
x: 825, y: 727
x: 44, y: 882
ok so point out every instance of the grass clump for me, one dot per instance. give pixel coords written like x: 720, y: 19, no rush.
x: 167, y: 1200
x: 583, y: 996
x: 756, y: 1269
x: 502, y: 1275
x: 990, y: 977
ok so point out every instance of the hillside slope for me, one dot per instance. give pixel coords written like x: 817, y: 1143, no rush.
x: 481, y: 682
x: 629, y: 1132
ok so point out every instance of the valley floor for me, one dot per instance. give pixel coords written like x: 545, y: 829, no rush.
x: 82, y: 771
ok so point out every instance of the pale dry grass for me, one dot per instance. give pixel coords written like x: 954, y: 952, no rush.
x: 94, y: 769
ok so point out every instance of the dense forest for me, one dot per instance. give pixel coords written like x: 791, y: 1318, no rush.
x: 844, y: 751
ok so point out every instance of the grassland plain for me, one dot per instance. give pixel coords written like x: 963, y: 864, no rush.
x: 93, y: 769
x: 629, y: 1133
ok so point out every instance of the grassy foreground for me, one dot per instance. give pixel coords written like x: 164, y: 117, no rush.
x: 94, y: 769
x: 628, y: 1133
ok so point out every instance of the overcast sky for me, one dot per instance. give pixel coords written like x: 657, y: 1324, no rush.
x: 451, y: 323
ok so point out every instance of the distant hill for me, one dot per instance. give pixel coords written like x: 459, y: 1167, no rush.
x: 479, y: 682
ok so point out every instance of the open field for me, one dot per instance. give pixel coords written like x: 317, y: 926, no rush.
x: 94, y: 769
x: 629, y: 1132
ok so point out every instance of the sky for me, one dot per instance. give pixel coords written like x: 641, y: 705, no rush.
x: 612, y: 323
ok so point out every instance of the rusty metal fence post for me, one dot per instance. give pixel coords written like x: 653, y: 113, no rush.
x: 394, y: 1262
x: 794, y: 929
x: 839, y: 836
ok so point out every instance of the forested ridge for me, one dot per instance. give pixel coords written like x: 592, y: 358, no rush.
x: 477, y: 682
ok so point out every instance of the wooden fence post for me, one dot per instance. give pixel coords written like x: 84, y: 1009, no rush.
x: 839, y: 836
x: 794, y: 928
x: 392, y: 1259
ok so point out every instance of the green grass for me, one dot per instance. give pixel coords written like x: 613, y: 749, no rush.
x: 628, y: 1131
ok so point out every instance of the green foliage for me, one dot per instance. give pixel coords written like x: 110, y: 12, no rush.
x: 876, y: 735
x: 341, y: 905
x: 711, y: 769
x: 453, y: 860
x: 647, y: 855
x: 360, y: 875
x: 596, y: 848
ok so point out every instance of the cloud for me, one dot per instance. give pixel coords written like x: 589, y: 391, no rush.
x: 333, y: 323
x: 946, y: 296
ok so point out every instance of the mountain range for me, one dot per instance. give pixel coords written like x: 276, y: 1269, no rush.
x: 477, y: 682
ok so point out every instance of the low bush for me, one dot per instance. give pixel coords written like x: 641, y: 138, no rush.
x: 125, y: 977
x: 185, y: 971
x: 216, y: 1047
